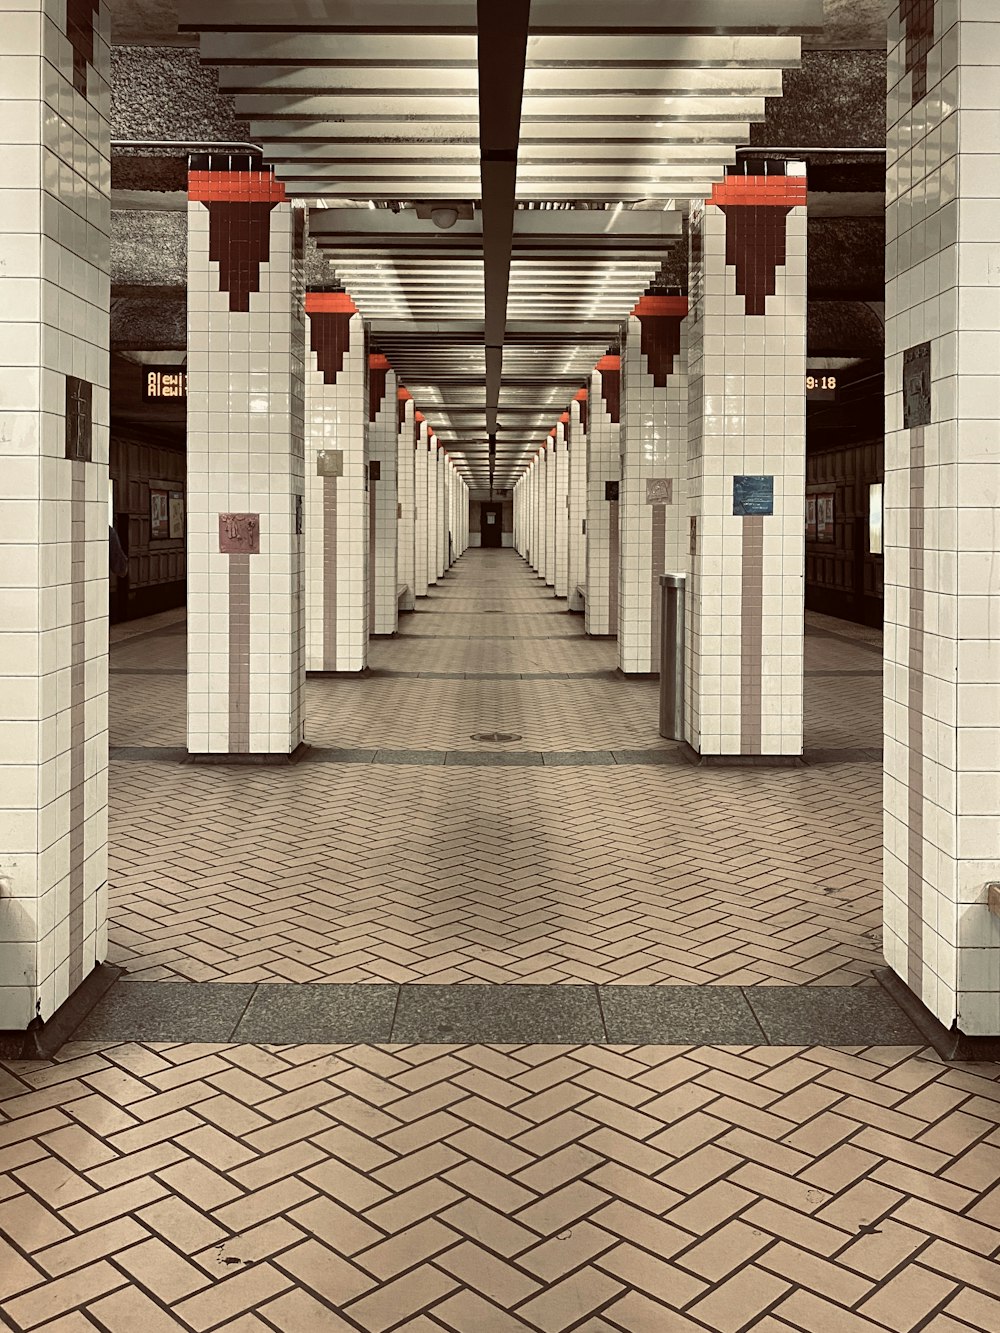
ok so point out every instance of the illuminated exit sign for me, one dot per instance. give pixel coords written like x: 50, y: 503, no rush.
x: 821, y: 384
x: 160, y: 382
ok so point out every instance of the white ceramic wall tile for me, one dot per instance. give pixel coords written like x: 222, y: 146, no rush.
x: 745, y: 606
x: 337, y: 525
x: 421, y: 515
x: 654, y: 536
x: 406, y: 572
x: 603, y: 466
x: 55, y: 293
x: 942, y: 521
x: 576, y: 573
x: 383, y: 435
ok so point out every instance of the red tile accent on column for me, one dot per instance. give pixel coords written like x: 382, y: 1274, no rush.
x: 239, y: 207
x: 660, y: 317
x: 403, y: 396
x: 917, y: 17
x: 611, y: 384
x: 378, y: 369
x: 583, y: 398
x: 756, y: 209
x: 330, y: 330
x: 80, y: 31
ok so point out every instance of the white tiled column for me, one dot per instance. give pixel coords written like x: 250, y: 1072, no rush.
x: 54, y: 294
x: 942, y: 509
x: 432, y: 508
x: 653, y: 513
x: 406, y: 572
x: 536, y: 476
x: 337, y: 533
x: 747, y: 345
x: 245, y: 483
x: 442, y: 509
x: 603, y: 469
x: 383, y: 430
x: 576, y: 575
x: 549, y: 568
x: 560, y: 456
x: 420, y: 459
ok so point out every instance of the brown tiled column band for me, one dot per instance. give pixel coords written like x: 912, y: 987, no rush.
x: 77, y: 721
x: 658, y: 544
x: 239, y: 653
x: 751, y: 634
x: 915, y: 720
x: 329, y: 573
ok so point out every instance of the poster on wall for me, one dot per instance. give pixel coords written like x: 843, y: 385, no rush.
x: 824, y: 517
x: 176, y: 511
x: 159, y: 515
x: 811, y: 516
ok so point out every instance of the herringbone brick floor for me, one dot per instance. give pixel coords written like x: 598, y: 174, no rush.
x: 492, y: 1190
x: 621, y: 874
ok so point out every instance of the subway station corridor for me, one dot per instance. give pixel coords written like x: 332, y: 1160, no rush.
x: 711, y: 1121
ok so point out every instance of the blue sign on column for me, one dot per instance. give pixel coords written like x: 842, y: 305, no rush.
x: 753, y: 495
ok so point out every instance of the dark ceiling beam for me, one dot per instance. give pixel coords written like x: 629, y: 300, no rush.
x: 502, y: 47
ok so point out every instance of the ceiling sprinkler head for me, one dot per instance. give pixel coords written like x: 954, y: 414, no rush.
x: 444, y: 217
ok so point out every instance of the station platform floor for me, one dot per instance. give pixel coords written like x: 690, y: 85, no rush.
x: 554, y: 1033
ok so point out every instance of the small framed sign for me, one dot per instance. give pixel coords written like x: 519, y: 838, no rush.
x: 175, y: 508
x: 159, y: 514
x: 753, y: 496
x: 825, y: 514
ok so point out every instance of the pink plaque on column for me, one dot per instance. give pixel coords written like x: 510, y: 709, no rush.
x: 239, y: 534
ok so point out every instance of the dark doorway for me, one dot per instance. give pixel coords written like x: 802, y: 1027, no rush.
x: 491, y: 524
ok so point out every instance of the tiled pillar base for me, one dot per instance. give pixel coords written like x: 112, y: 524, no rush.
x: 337, y: 516
x: 54, y: 278
x: 747, y: 342
x: 245, y: 462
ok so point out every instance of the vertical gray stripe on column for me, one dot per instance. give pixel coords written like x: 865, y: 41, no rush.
x: 614, y: 544
x: 372, y: 537
x: 658, y: 542
x: 915, y: 722
x: 239, y: 653
x: 77, y: 721
x: 751, y: 634
x: 329, y: 573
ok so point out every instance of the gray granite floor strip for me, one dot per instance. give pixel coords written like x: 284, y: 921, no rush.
x: 492, y: 758
x: 147, y: 671
x: 547, y: 1015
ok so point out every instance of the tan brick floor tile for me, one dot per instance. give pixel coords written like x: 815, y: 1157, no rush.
x: 812, y: 1314
x: 636, y: 1313
x: 62, y: 1294
x: 299, y: 1312
x: 732, y: 1305
x: 567, y: 1302
x: 16, y: 1273
x: 271, y: 1201
x: 30, y: 1224
x: 481, y: 1271
x: 91, y: 1246
x: 129, y: 1310
x: 406, y: 1249
x: 732, y: 1246
x: 567, y: 1251
x: 224, y: 1300
x: 250, y: 1246
x: 644, y: 1271
x: 410, y: 1294
x: 161, y: 1271
x: 466, y: 1312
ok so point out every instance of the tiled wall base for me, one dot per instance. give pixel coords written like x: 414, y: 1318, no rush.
x: 255, y: 760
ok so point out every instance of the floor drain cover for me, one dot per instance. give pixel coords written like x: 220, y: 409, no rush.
x: 495, y: 736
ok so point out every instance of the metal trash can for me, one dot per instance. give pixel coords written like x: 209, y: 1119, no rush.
x: 672, y: 622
